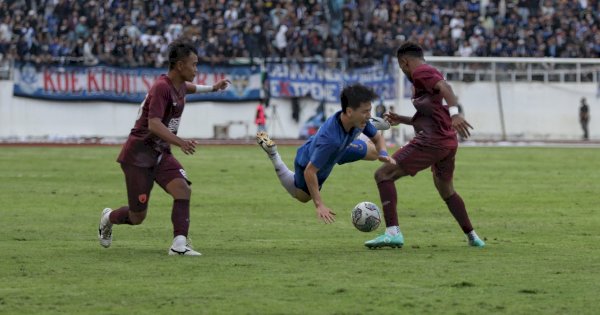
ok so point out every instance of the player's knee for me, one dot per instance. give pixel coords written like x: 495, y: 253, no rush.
x: 302, y: 196
x: 137, y: 218
x: 372, y: 155
x: 381, y: 176
x: 181, y: 191
x: 187, y: 191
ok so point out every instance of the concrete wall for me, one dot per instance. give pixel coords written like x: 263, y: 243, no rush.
x: 531, y: 111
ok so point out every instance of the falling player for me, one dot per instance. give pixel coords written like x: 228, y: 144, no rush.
x: 336, y: 142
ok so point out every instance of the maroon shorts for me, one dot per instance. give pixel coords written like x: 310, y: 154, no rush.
x: 413, y: 158
x: 139, y: 180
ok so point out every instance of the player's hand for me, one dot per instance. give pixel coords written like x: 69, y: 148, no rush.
x: 188, y: 146
x: 385, y: 158
x: 461, y: 126
x: 392, y: 118
x: 325, y: 214
x: 221, y: 85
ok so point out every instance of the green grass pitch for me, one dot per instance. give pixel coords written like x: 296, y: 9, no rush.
x: 265, y: 253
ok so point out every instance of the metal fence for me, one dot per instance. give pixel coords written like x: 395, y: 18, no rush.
x: 466, y: 69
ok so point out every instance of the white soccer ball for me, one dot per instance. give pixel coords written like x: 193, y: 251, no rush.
x: 366, y: 217
x: 380, y: 123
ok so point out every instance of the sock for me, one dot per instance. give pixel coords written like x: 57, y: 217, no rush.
x: 387, y: 194
x: 472, y: 235
x: 120, y: 216
x: 392, y: 230
x: 458, y: 210
x: 180, y: 216
x: 286, y: 177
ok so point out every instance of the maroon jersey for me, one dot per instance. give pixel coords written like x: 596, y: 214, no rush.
x: 432, y: 122
x: 163, y: 101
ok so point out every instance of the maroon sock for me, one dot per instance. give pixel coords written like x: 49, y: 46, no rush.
x: 387, y: 194
x: 458, y: 210
x: 120, y: 216
x: 180, y: 217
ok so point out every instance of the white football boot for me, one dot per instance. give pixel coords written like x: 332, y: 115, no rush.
x: 380, y: 123
x: 105, y: 228
x: 181, y: 246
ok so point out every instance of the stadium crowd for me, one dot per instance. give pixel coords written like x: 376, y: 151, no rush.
x: 136, y: 33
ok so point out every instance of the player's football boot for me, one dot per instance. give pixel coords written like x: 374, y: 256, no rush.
x: 105, y: 228
x: 475, y: 241
x: 380, y: 123
x: 384, y: 240
x: 181, y: 246
x: 262, y: 138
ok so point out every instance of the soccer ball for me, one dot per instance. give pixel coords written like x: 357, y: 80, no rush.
x: 365, y: 216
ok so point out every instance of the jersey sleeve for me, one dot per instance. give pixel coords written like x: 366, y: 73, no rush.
x: 323, y: 151
x: 159, y: 100
x: 370, y: 130
x: 426, y: 79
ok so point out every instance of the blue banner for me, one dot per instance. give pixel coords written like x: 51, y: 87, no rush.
x: 321, y: 83
x: 128, y: 85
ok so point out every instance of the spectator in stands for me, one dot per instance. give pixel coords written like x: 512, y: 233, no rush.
x: 294, y: 29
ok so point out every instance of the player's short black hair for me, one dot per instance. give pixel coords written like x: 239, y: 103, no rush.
x: 410, y: 49
x: 353, y: 95
x: 180, y: 49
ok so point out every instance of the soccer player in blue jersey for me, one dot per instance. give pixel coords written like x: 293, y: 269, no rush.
x: 338, y: 141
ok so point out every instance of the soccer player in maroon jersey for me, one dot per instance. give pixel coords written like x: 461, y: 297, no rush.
x: 434, y: 146
x: 146, y: 155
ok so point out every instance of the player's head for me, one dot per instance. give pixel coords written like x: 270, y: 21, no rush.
x: 406, y: 53
x: 183, y: 58
x: 356, y: 103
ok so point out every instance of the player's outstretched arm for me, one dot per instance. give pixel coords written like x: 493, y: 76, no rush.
x: 156, y: 126
x: 395, y: 119
x: 323, y: 212
x: 192, y: 88
x: 458, y: 121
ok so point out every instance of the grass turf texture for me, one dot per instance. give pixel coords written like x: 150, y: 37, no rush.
x: 264, y: 253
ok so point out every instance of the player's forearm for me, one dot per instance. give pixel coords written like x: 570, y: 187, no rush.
x: 406, y: 120
x: 379, y: 142
x: 310, y: 176
x: 156, y: 126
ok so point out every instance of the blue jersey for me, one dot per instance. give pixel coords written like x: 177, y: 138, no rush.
x: 326, y: 148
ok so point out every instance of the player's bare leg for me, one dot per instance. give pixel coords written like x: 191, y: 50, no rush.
x: 181, y: 192
x: 302, y: 196
x: 372, y: 153
x: 457, y: 207
x: 286, y: 177
x: 385, y: 177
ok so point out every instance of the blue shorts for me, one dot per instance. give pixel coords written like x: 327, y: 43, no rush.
x: 357, y: 150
